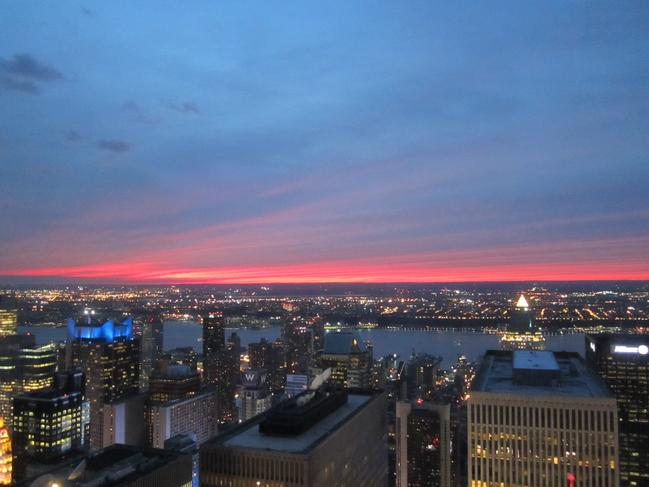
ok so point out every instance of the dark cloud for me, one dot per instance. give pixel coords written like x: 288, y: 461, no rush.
x: 73, y: 136
x: 29, y: 87
x: 184, y: 107
x: 114, y: 145
x: 25, y: 66
x: 140, y: 113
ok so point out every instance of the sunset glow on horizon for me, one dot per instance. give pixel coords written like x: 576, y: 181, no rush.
x: 324, y: 143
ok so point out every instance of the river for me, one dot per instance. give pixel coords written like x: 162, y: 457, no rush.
x: 446, y: 344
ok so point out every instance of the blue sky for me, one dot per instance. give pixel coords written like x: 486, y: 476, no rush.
x: 324, y: 140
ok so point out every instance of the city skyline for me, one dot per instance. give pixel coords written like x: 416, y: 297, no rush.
x: 299, y: 143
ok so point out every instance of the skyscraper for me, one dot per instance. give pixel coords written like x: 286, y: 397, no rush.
x: 49, y: 424
x: 220, y: 364
x: 24, y: 367
x: 109, y: 356
x: 270, y: 357
x: 255, y: 398
x: 331, y: 438
x: 522, y: 333
x: 536, y: 418
x: 349, y: 360
x: 171, y: 382
x: 423, y: 450
x: 622, y: 361
x: 298, y: 347
x: 192, y: 416
x: 8, y: 322
x: 151, y: 339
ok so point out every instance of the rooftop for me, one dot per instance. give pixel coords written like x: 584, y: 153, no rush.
x: 342, y: 343
x: 247, y: 435
x: 496, y: 375
x: 111, y: 466
x: 535, y: 360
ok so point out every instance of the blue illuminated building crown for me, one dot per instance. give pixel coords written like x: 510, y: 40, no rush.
x: 107, y: 331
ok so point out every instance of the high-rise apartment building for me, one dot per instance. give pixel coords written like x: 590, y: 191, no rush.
x: 49, y: 425
x: 622, y: 361
x: 24, y: 367
x: 349, y: 360
x: 423, y: 444
x: 109, y: 356
x: 538, y: 418
x: 320, y: 439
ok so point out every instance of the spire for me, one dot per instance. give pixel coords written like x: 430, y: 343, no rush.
x: 522, y: 302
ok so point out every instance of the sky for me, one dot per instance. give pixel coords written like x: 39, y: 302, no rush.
x: 256, y: 142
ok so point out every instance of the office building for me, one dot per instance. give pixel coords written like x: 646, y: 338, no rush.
x: 319, y: 439
x: 423, y: 444
x: 270, y: 357
x: 622, y: 361
x: 124, y: 466
x: 348, y: 358
x: 171, y: 382
x: 5, y: 455
x: 193, y: 416
x: 220, y: 364
x: 421, y: 376
x: 255, y: 398
x: 298, y: 347
x: 151, y: 338
x: 109, y: 356
x: 8, y: 322
x: 24, y: 367
x: 536, y: 418
x: 49, y: 425
x: 522, y: 333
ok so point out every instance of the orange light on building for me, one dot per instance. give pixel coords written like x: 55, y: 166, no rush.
x: 5, y: 454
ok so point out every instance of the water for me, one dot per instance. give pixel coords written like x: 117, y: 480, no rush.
x: 448, y: 345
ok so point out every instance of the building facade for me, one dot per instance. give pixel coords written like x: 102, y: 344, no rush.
x: 220, y: 365
x: 255, y: 398
x: 423, y: 444
x: 349, y: 360
x: 537, y: 418
x: 622, y: 361
x: 109, y: 356
x: 49, y: 425
x: 337, y: 439
x: 193, y: 416
x: 24, y: 367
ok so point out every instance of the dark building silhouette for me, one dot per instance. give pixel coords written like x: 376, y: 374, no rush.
x: 151, y: 341
x: 270, y: 357
x: 220, y: 364
x: 423, y: 450
x: 622, y: 361
x: 124, y: 466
